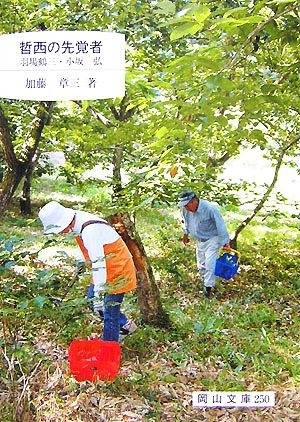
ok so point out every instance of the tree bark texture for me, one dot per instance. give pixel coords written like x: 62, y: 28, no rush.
x: 25, y: 200
x: 147, y: 291
x: 10, y: 183
x: 18, y: 167
x: 117, y: 162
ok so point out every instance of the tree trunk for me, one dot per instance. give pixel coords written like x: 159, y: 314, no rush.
x: 25, y: 200
x: 147, y: 290
x: 10, y: 183
x: 17, y: 168
x: 117, y: 162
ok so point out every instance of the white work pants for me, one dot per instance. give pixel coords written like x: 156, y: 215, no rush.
x: 206, y: 254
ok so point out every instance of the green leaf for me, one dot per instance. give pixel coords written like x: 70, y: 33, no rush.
x: 85, y: 105
x: 9, y: 246
x: 161, y: 132
x: 202, y: 13
x: 222, y: 121
x: 142, y: 106
x: 40, y: 301
x: 23, y: 305
x: 210, y: 325
x: 169, y: 378
x: 188, y: 28
x: 268, y: 88
x: 234, y: 11
x: 226, y: 84
x: 250, y: 19
x: 282, y: 1
x: 213, y: 82
x: 167, y: 7
x: 198, y: 327
x: 257, y: 134
x: 168, y: 151
x: 231, y: 22
x: 157, y: 145
x: 130, y: 106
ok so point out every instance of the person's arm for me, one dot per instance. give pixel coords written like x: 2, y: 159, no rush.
x: 221, y: 229
x: 185, y: 239
x: 98, y: 262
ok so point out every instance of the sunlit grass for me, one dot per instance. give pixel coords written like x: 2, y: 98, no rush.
x: 53, y: 188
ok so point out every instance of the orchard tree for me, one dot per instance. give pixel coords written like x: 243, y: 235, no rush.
x: 122, y: 17
x: 236, y: 86
x: 20, y: 137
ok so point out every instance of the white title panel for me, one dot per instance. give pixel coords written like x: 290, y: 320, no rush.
x: 62, y: 65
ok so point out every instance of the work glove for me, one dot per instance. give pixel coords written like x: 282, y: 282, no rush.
x: 98, y: 307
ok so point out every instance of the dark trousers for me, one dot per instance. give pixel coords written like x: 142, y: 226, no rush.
x: 113, y: 318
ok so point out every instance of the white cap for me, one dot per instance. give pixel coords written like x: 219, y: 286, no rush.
x: 55, y: 217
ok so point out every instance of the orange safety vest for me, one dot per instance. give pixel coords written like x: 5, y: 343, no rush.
x: 120, y: 269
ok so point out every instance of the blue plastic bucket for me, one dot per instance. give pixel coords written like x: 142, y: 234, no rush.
x: 227, y: 264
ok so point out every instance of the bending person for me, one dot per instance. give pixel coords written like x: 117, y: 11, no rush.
x: 112, y: 267
x: 204, y: 222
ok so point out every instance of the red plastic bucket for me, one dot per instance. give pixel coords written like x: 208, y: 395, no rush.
x: 93, y: 360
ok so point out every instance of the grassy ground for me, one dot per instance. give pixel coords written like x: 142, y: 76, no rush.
x: 246, y: 339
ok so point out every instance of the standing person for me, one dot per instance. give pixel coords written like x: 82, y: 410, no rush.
x: 111, y: 263
x: 204, y: 222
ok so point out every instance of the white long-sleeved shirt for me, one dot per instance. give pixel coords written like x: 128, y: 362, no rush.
x: 94, y: 237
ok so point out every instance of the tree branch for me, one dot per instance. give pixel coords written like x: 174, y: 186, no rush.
x: 268, y: 191
x: 34, y: 136
x: 102, y: 119
x: 255, y: 32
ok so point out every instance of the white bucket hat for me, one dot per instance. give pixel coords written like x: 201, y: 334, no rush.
x: 55, y: 217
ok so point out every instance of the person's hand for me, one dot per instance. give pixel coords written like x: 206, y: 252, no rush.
x: 226, y: 247
x: 185, y: 239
